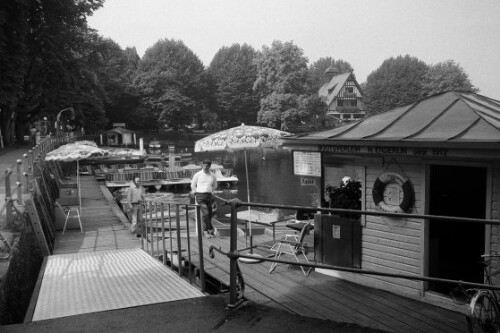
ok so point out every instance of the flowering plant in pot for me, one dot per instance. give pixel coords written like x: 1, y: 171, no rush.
x: 347, y: 196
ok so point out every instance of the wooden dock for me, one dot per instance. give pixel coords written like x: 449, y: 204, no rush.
x: 316, y: 295
x: 326, y: 297
x: 102, y: 268
x: 105, y: 226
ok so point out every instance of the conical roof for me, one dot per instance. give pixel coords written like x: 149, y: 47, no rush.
x: 443, y: 119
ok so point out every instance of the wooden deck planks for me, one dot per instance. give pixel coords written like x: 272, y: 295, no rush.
x: 316, y: 296
x: 327, y: 297
x: 104, y: 228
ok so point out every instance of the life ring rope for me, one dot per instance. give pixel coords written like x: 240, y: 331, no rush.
x: 380, y: 185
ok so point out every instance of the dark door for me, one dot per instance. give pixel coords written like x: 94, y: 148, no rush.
x: 455, y: 247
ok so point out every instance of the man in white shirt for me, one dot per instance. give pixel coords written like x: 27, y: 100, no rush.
x: 203, y: 185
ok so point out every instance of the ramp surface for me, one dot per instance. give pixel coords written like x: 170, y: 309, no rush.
x: 106, y: 280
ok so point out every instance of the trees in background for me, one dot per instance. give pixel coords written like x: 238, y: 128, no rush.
x: 403, y: 80
x: 317, y: 72
x: 52, y: 60
x: 447, y: 76
x: 281, y: 83
x: 233, y: 71
x: 44, y: 47
x: 288, y: 89
x: 14, y: 64
x: 398, y: 81
x: 172, y: 85
x: 116, y: 70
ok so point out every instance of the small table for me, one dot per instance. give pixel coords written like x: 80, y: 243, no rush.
x: 259, y: 217
x: 296, y: 226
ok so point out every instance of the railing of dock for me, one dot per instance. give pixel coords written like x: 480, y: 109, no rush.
x: 236, y: 279
x: 166, y: 235
x: 28, y: 187
x: 128, y: 175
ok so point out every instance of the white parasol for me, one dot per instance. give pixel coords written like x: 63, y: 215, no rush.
x: 77, y: 151
x: 242, y: 137
x: 192, y: 167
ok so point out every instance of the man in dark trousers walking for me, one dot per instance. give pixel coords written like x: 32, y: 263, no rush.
x: 203, y: 185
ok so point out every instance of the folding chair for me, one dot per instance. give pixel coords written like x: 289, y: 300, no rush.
x: 76, y: 213
x: 293, y: 244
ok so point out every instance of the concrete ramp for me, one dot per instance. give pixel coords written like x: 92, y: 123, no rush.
x: 98, y: 281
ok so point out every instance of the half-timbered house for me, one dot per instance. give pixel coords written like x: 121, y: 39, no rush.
x: 343, y: 95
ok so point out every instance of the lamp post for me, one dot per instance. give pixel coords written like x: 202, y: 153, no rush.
x: 59, y: 116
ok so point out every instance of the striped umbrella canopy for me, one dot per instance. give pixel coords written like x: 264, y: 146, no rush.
x: 242, y: 137
x: 77, y: 151
x: 74, y: 152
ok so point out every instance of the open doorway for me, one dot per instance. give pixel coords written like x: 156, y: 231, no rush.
x: 455, y: 247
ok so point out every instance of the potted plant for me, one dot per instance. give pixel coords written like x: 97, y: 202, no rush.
x: 347, y: 196
x: 337, y: 239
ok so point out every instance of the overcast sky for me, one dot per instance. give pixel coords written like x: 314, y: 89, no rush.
x: 362, y: 32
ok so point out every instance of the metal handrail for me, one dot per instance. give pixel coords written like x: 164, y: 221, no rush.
x: 25, y: 172
x: 157, y: 215
x: 234, y: 254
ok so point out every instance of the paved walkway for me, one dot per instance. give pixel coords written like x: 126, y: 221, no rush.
x: 8, y: 158
x: 203, y: 314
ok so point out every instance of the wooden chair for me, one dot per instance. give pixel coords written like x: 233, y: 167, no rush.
x: 293, y: 244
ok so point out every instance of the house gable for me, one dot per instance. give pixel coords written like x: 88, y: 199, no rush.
x: 343, y: 95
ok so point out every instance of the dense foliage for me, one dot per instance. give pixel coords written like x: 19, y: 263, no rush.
x: 403, y: 80
x: 281, y: 83
x: 446, y: 76
x: 233, y: 71
x: 52, y: 60
x: 172, y: 84
x: 398, y: 81
x: 346, y: 196
x: 47, y: 62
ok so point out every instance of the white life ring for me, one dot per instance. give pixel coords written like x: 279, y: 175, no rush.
x: 378, y: 193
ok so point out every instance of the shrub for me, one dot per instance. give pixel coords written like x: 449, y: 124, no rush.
x: 346, y: 196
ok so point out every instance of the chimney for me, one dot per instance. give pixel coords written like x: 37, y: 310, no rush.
x: 330, y: 73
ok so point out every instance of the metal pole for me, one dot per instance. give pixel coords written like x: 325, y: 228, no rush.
x: 164, y: 249
x: 78, y: 185
x: 19, y: 183
x: 179, y: 245
x: 233, y: 287
x: 248, y: 199
x: 8, y: 197
x: 30, y: 158
x: 200, y: 248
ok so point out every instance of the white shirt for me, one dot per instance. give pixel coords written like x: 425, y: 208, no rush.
x: 203, y: 182
x: 134, y: 194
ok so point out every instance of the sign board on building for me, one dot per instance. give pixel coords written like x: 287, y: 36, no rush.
x: 118, y: 125
x: 336, y: 231
x: 306, y: 163
x: 306, y: 181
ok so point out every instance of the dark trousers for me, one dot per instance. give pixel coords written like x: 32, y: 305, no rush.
x: 205, y: 200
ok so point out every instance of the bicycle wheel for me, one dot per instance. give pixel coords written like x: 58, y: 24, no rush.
x: 484, y: 315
